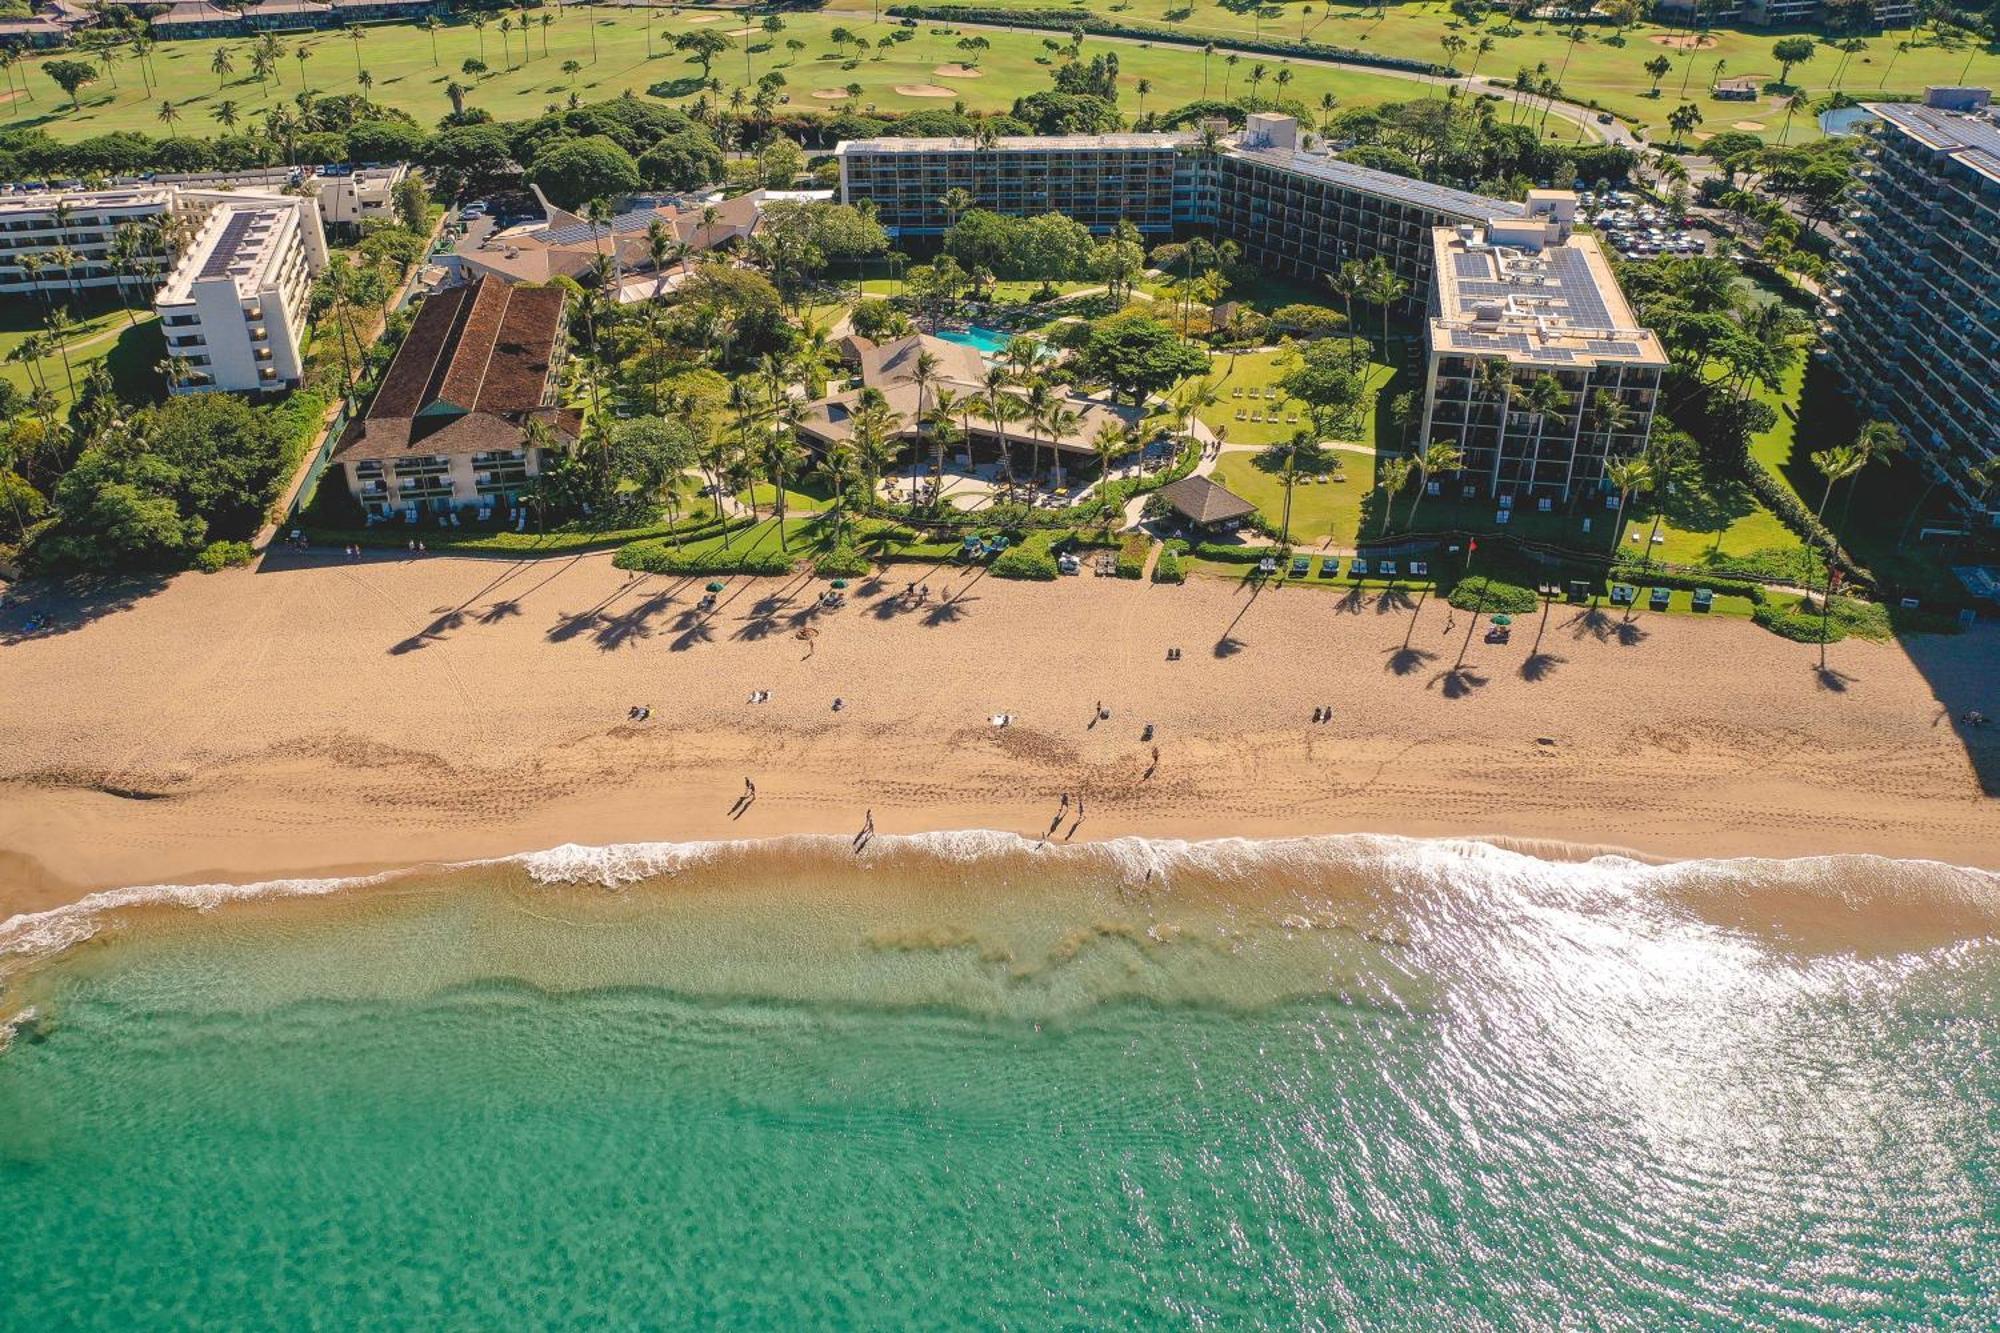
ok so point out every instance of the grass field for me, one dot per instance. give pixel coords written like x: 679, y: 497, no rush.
x: 399, y: 59
x: 1260, y: 371
x: 1322, y: 511
x: 105, y: 332
x: 1606, y: 68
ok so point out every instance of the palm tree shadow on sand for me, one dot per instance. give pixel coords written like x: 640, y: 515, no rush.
x: 1458, y: 682
x: 1539, y: 666
x: 1407, y: 659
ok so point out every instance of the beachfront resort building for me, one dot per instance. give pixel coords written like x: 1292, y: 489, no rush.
x: 1098, y: 179
x: 234, y: 308
x: 1293, y: 209
x: 566, y: 244
x: 892, y: 370
x: 74, y: 241
x: 1913, y: 311
x: 1518, y: 301
x: 467, y: 414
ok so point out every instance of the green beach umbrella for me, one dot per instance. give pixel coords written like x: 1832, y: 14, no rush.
x: 840, y: 583
x: 717, y: 587
x: 1503, y: 619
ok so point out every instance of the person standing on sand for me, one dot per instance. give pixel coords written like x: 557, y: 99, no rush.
x: 749, y: 790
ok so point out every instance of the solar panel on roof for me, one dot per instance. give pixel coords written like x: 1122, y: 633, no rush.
x: 1603, y: 347
x: 1586, y: 307
x: 637, y: 220
x: 1471, y: 265
x: 224, y: 254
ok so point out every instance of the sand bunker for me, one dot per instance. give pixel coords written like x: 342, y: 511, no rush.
x: 1747, y: 125
x: 958, y: 72
x: 1682, y: 41
x: 744, y: 32
x: 924, y: 90
x: 830, y: 94
x: 706, y: 18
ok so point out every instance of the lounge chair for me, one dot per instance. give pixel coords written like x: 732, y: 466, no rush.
x: 1300, y: 564
x: 1658, y: 601
x: 1358, y: 567
x: 1267, y: 566
x: 1623, y: 594
x: 1704, y: 599
x: 1386, y: 568
x: 1329, y: 566
x: 1236, y: 392
x: 1420, y: 569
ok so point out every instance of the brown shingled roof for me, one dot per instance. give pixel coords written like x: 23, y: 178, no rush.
x: 469, y: 376
x: 1203, y: 501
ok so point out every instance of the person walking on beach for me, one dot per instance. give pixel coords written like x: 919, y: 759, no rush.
x: 749, y: 790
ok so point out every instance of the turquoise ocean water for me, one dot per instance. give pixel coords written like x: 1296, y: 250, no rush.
x: 959, y: 1082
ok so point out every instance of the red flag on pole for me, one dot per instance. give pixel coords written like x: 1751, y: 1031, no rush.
x: 1471, y: 545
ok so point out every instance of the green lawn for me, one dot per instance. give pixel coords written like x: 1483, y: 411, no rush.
x: 1607, y: 68
x: 105, y: 332
x: 1261, y: 371
x: 406, y: 75
x: 1322, y: 511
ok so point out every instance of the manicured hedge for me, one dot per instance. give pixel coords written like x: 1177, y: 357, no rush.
x: 1491, y: 595
x: 843, y: 562
x: 218, y: 556
x: 1232, y: 554
x: 1655, y: 578
x: 1792, y: 622
x: 1064, y: 20
x: 1170, y: 568
x: 657, y: 557
x: 1026, y: 561
x: 1132, y: 554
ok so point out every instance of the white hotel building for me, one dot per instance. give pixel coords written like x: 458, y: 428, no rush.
x: 234, y: 309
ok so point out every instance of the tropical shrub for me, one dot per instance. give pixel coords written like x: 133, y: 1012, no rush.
x: 217, y: 556
x: 1482, y: 593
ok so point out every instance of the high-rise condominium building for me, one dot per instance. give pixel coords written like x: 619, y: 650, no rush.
x: 1537, y: 368
x: 234, y: 308
x: 1914, y: 308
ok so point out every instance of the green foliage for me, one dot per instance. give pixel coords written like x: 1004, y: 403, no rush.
x: 572, y: 172
x: 842, y: 562
x: 1132, y: 553
x: 1028, y: 560
x: 1067, y: 113
x: 685, y: 160
x: 656, y: 556
x: 387, y: 141
x: 1171, y: 567
x: 1640, y: 576
x: 1052, y: 247
x: 1229, y: 553
x: 1491, y: 595
x: 1138, y: 355
x: 218, y: 556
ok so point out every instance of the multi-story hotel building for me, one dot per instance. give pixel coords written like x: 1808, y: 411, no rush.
x: 1098, y: 179
x: 1293, y: 211
x: 1305, y: 214
x: 1518, y: 300
x: 1914, y: 306
x: 234, y: 308
x: 69, y: 241
x: 450, y: 427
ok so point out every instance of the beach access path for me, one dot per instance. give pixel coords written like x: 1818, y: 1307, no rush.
x: 317, y: 713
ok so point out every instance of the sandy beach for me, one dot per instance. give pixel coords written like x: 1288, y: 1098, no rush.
x: 318, y: 714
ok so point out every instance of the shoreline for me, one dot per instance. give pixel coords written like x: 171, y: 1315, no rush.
x: 316, y: 714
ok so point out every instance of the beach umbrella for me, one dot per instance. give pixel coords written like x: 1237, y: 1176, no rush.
x: 840, y: 583
x: 1503, y: 619
x: 717, y: 587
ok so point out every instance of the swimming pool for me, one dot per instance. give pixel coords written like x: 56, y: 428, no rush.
x: 1844, y: 120
x: 987, y: 342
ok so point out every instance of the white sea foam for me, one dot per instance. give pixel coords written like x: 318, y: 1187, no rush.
x: 1470, y: 872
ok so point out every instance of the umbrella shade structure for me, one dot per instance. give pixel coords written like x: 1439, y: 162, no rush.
x: 1503, y: 619
x: 840, y: 583
x: 717, y: 587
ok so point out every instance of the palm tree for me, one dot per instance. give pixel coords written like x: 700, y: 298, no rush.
x: 1107, y: 444
x: 1034, y: 410
x: 954, y: 203
x: 431, y: 26
x: 837, y: 467
x: 1391, y: 475
x: 1207, y: 50
x: 1383, y: 288
x: 479, y: 26
x: 1229, y: 69
x: 1145, y: 89
x: 302, y: 53
x: 876, y: 427
x: 1438, y: 456
x: 944, y: 405
x: 61, y: 326
x: 169, y: 113
x: 1192, y: 398
x: 546, y: 20
x: 1543, y: 398
x: 1348, y: 282
x: 1792, y: 105
x: 506, y: 34
x: 1001, y: 408
x: 780, y: 458
x: 1060, y: 420
x: 1629, y: 475
x: 226, y: 114
x: 356, y: 37
x: 221, y: 65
